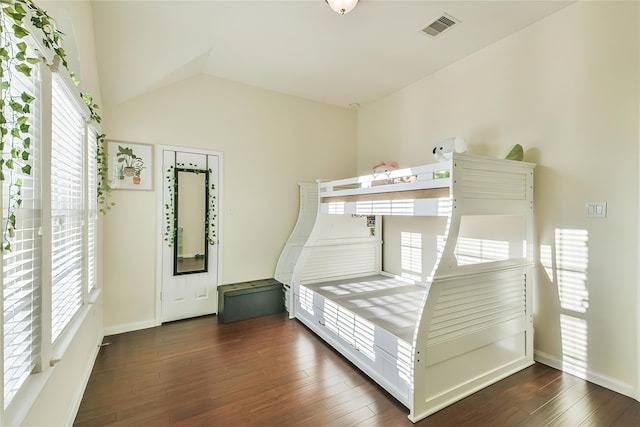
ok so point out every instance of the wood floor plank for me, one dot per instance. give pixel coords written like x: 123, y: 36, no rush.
x: 630, y: 417
x: 594, y: 398
x: 273, y: 371
x: 609, y: 412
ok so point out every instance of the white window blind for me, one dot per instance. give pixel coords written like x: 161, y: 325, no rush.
x: 67, y: 207
x: 92, y: 226
x: 22, y: 278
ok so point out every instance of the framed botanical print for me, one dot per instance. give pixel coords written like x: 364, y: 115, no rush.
x: 130, y: 165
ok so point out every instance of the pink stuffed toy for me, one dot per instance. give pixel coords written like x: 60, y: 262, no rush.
x: 385, y: 166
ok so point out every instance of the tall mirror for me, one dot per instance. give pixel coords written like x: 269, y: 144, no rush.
x: 190, y: 210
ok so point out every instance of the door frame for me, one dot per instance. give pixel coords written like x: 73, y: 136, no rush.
x: 161, y: 220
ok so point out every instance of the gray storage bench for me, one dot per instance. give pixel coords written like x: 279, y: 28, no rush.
x: 246, y: 300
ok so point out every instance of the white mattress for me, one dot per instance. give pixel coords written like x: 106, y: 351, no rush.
x: 387, y: 302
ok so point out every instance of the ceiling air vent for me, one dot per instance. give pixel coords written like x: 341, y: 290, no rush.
x: 440, y: 25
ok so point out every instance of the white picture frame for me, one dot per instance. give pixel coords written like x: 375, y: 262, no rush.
x: 130, y: 165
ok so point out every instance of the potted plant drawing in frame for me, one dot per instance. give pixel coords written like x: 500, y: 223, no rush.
x: 131, y: 165
x: 129, y: 161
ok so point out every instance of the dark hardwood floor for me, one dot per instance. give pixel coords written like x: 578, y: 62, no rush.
x: 272, y: 371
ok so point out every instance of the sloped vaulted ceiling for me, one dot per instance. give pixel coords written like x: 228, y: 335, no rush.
x: 301, y: 48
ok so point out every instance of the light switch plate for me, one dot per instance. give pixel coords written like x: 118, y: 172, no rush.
x: 596, y: 209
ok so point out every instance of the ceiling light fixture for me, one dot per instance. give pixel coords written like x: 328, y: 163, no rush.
x: 342, y: 6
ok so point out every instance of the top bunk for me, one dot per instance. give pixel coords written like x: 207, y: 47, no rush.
x: 431, y: 189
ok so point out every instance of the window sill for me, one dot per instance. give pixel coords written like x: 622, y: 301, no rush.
x: 62, y: 344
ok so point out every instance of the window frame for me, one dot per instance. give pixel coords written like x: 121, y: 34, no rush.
x: 52, y: 352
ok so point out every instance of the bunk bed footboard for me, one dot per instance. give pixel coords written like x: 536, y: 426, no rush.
x: 475, y: 330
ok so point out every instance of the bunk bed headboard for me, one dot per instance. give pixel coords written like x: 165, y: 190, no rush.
x: 340, y: 247
x: 482, y: 186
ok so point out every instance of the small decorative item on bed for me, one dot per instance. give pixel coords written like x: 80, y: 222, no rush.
x: 381, y: 174
x: 444, y: 150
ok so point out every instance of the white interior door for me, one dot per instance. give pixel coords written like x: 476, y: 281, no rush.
x: 190, y: 255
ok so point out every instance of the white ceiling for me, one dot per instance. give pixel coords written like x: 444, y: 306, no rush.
x: 296, y: 47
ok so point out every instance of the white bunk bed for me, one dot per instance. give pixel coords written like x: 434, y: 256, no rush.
x: 433, y: 340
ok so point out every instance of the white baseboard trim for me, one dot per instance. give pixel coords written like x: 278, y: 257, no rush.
x: 129, y: 327
x: 601, y: 380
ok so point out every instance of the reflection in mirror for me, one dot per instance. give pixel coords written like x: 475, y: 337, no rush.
x: 190, y: 250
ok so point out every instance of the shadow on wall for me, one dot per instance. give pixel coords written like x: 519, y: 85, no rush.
x: 562, y: 277
x: 566, y: 265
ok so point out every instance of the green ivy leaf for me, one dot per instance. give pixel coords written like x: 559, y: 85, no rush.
x: 19, y: 31
x: 14, y: 14
x: 24, y: 69
x: 25, y: 156
x: 24, y: 128
x: 15, y: 105
x: 34, y: 61
x: 20, y: 9
x: 26, y: 169
x: 26, y: 97
x: 36, y: 21
x: 43, y: 21
x: 22, y: 46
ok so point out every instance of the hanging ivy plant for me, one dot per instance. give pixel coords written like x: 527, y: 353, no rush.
x: 169, y: 211
x: 15, y: 106
x: 93, y: 107
x: 169, y: 208
x: 211, y: 214
x: 103, y: 189
x: 15, y: 111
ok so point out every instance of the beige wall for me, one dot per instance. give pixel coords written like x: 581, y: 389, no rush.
x: 269, y: 141
x: 568, y: 91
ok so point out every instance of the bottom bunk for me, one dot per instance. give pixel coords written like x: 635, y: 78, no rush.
x: 427, y: 346
x: 371, y: 321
